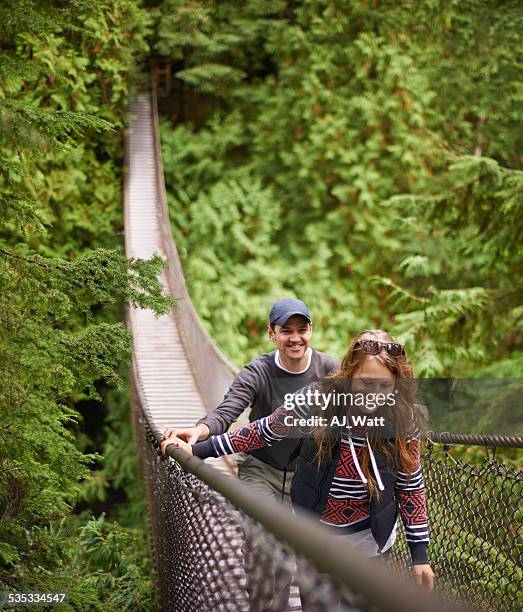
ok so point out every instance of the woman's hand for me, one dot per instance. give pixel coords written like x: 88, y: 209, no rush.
x: 424, y: 576
x: 178, y: 442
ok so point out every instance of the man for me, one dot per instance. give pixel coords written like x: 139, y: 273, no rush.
x: 262, y: 384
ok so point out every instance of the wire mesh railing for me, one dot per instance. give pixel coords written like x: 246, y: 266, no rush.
x: 476, y: 525
x: 222, y: 548
x: 211, y: 555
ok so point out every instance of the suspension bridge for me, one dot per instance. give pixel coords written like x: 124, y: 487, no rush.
x: 215, y: 546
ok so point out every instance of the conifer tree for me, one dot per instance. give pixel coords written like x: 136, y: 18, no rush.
x: 65, y: 69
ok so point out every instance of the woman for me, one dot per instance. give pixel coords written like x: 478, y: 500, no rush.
x: 360, y: 459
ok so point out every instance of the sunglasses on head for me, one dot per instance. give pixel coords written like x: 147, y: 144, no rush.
x: 374, y: 347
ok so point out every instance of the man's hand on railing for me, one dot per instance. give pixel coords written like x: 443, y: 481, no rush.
x: 178, y: 442
x: 189, y: 434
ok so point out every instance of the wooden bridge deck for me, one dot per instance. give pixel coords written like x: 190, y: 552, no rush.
x: 161, y: 363
x: 159, y: 352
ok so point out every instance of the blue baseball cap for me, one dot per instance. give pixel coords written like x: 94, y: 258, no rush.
x: 282, y: 310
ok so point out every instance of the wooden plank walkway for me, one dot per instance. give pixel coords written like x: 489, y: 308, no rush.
x: 161, y: 362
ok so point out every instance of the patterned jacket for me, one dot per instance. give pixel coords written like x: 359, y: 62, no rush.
x: 336, y: 490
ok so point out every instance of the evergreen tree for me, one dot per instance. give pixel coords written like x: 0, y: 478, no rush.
x: 63, y: 279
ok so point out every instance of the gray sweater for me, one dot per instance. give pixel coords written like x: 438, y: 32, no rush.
x: 263, y: 385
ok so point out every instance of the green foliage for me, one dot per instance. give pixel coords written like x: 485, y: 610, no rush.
x: 242, y: 258
x: 119, y: 471
x: 100, y: 565
x: 116, y: 567
x: 384, y: 139
x: 66, y: 68
x: 461, y: 296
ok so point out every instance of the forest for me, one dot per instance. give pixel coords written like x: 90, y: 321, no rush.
x: 364, y: 156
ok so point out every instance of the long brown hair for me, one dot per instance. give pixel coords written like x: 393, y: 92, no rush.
x: 394, y: 448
